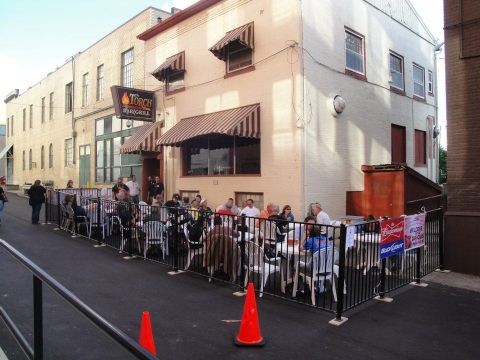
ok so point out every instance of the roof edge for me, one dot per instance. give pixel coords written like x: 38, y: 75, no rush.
x: 176, y: 18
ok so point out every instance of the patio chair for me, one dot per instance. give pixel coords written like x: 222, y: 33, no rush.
x: 123, y: 230
x: 155, y: 234
x: 257, y: 262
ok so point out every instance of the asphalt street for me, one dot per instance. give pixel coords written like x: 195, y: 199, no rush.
x: 436, y: 322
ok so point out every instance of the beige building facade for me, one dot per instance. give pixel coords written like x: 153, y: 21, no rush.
x: 59, y: 125
x: 289, y: 61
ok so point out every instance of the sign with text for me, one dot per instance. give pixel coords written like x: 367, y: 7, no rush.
x: 392, y: 237
x: 414, y: 231
x: 134, y: 104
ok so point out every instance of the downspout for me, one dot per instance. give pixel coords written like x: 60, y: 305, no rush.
x: 74, y: 135
x: 436, y: 51
x: 302, y: 123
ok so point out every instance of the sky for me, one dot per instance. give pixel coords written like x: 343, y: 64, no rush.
x: 37, y: 36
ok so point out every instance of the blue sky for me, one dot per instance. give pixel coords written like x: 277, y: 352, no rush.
x: 39, y: 35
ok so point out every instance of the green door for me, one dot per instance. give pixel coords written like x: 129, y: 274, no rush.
x: 84, y: 166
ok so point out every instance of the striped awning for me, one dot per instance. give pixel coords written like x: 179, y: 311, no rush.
x: 144, y: 139
x: 243, y: 34
x: 172, y: 64
x: 243, y: 121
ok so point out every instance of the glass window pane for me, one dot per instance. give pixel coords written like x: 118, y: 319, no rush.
x: 100, y: 154
x: 116, y: 124
x: 99, y: 127
x: 107, y: 125
x: 354, y: 52
x: 116, y: 173
x: 195, y: 156
x: 108, y: 153
x: 100, y: 177
x: 247, y: 156
x: 117, y: 161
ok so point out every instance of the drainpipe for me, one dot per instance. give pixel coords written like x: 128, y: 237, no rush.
x: 304, y: 147
x: 74, y: 134
x: 436, y: 51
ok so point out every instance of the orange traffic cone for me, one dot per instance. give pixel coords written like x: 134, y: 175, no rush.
x: 146, y: 336
x: 249, y: 334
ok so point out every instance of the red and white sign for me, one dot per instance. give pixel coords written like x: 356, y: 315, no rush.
x: 414, y: 231
x: 392, y: 237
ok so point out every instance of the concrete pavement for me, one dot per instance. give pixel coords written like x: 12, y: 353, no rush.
x: 437, y: 322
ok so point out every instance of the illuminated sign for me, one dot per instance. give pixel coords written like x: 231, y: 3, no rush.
x: 134, y: 104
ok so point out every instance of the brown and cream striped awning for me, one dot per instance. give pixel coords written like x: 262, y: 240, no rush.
x: 144, y: 139
x: 173, y: 63
x: 243, y: 121
x: 243, y: 34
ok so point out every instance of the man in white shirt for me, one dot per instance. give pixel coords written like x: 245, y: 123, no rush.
x: 135, y: 189
x: 250, y: 210
x: 322, y: 218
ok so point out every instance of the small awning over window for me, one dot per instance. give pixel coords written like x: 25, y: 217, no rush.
x: 5, y: 150
x: 172, y: 64
x: 144, y: 139
x: 243, y: 35
x: 243, y: 121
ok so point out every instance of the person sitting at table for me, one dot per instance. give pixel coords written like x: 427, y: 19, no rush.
x: 194, y: 210
x: 174, y: 203
x: 250, y: 210
x: 229, y: 208
x: 280, y: 222
x: 71, y: 201
x: 287, y: 213
x: 314, y: 240
x: 264, y: 214
x: 157, y: 200
x: 322, y: 219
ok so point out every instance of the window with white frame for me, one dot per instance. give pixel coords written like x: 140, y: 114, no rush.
x: 68, y: 152
x: 127, y: 68
x: 85, y: 89
x: 430, y: 82
x: 354, y: 52
x: 396, y: 71
x: 418, y: 81
x: 100, y: 82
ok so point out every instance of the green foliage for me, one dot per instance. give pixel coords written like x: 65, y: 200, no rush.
x: 442, y: 178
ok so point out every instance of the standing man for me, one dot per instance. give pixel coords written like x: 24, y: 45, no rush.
x: 3, y: 197
x: 134, y: 188
x: 150, y: 183
x: 157, y: 188
x: 322, y: 219
x: 37, y: 198
x: 119, y: 186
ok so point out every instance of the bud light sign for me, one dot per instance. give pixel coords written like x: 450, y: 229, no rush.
x: 392, y: 237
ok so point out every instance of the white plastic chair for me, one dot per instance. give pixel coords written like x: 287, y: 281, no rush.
x: 155, y: 235
x: 194, y: 248
x: 258, y: 263
x: 123, y: 229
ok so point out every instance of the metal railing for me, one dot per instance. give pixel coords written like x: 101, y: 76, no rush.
x: 298, y: 261
x: 40, y: 277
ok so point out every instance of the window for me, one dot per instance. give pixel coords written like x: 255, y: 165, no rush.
x: 430, y: 82
x: 420, y: 148
x: 3, y: 130
x: 68, y: 98
x: 85, y: 89
x: 42, y: 157
x: 175, y: 81
x: 127, y: 68
x: 189, y: 194
x: 221, y: 155
x: 50, y: 106
x: 23, y: 160
x: 396, y: 71
x: 100, y: 84
x: 30, y: 161
x: 24, y: 119
x: 418, y: 81
x: 50, y: 156
x: 43, y: 110
x: 8, y: 127
x: 68, y: 152
x: 242, y: 197
x: 111, y: 133
x: 31, y: 117
x: 238, y: 57
x: 399, y: 148
x: 354, y: 52
x: 11, y: 125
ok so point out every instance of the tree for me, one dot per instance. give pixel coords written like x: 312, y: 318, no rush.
x: 442, y: 177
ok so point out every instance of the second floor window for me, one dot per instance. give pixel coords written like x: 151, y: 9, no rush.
x: 42, y: 158
x: 396, y: 71
x: 100, y: 84
x: 31, y: 116
x: 418, y: 81
x: 85, y: 89
x: 23, y: 160
x: 30, y: 160
x: 50, y: 156
x: 68, y: 98
x: 11, y: 125
x: 238, y: 57
x: 50, y: 106
x: 127, y: 68
x: 68, y: 152
x: 24, y: 119
x: 43, y: 110
x: 430, y: 82
x: 175, y: 81
x: 354, y: 52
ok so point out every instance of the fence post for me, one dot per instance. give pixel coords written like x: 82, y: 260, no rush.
x: 341, y: 273
x: 58, y: 209
x: 47, y: 205
x: 383, y: 269
x: 129, y: 229
x: 37, y: 319
x: 175, y: 240
x: 441, y: 253
x: 418, y: 275
x: 99, y: 219
x: 242, y: 254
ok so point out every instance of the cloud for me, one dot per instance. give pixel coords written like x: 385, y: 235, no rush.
x: 180, y: 4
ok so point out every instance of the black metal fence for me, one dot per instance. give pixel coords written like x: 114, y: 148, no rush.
x: 299, y: 261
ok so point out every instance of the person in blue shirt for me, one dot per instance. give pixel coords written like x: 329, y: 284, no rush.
x: 314, y: 239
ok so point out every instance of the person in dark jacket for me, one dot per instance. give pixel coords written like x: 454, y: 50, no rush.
x: 37, y: 198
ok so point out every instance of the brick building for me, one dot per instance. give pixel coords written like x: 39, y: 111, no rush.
x: 462, y: 52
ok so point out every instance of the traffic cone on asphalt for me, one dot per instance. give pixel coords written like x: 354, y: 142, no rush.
x: 146, y: 336
x: 249, y: 334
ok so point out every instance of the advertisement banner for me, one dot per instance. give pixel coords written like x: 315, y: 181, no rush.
x: 392, y: 237
x: 414, y: 231
x: 134, y: 104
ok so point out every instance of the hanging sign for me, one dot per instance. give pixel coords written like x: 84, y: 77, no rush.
x: 392, y: 237
x: 414, y: 231
x: 134, y: 104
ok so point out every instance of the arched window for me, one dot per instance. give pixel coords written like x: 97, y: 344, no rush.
x: 23, y: 160
x: 30, y: 163
x: 42, y: 158
x: 50, y: 156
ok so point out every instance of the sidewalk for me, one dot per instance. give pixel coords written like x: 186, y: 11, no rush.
x: 437, y: 322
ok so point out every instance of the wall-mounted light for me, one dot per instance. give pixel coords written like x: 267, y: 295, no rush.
x: 129, y: 124
x: 336, y: 104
